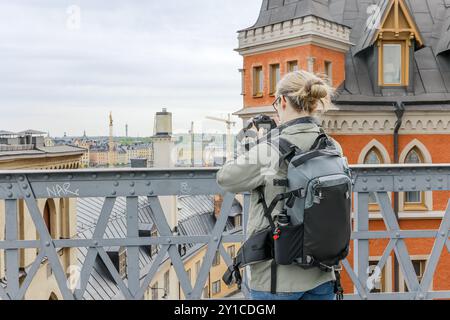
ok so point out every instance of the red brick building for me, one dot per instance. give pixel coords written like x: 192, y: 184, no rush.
x: 390, y: 63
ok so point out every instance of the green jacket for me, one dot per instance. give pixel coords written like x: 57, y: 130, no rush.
x: 259, y: 167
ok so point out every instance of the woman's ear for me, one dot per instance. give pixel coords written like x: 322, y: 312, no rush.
x: 283, y: 102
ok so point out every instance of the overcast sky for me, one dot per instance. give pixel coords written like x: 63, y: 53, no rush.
x: 132, y: 57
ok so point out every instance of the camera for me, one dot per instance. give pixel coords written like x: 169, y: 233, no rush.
x: 262, y: 121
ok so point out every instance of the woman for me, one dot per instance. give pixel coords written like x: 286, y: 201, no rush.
x: 299, y: 95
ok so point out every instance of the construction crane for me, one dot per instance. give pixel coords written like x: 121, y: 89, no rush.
x: 229, y: 124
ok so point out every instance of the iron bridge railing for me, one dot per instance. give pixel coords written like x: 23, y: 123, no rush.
x: 153, y: 183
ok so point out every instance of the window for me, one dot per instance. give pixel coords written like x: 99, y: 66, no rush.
x: 189, y: 274
x: 232, y: 251
x: 274, y: 77
x: 292, y: 66
x: 414, y: 200
x: 197, y: 268
x: 216, y: 287
x: 329, y: 72
x: 258, y: 82
x: 373, y: 157
x: 216, y: 260
x: 242, y: 71
x: 123, y: 262
x: 392, y: 63
x: 167, y: 283
x: 238, y: 221
x: 419, y: 268
x: 155, y: 291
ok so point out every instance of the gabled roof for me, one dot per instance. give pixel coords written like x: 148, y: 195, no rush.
x: 431, y: 65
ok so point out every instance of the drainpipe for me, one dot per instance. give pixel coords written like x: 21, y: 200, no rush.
x: 399, y: 112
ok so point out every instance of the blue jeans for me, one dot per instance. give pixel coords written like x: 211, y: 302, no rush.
x: 323, y: 292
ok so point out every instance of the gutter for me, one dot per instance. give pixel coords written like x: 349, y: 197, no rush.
x: 399, y: 113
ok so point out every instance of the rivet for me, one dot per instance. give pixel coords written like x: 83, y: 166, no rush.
x: 421, y: 296
x: 191, y: 175
x: 382, y: 188
x: 428, y: 179
x: 365, y: 188
x: 28, y: 195
x: 428, y: 188
x: 9, y: 186
x: 8, y: 177
x: 21, y: 178
x: 132, y: 184
x: 144, y: 175
x: 401, y: 188
x: 148, y: 183
x: 132, y: 175
x: 25, y: 187
x: 70, y: 177
x: 397, y: 235
x: 94, y: 176
x: 95, y: 243
x: 151, y: 192
x: 216, y: 239
x: 365, y: 180
x: 118, y: 176
x: 167, y: 175
x: 379, y: 180
x: 443, y: 234
x: 414, y: 187
x: 47, y: 244
x: 169, y: 240
x: 116, y: 184
x: 413, y: 179
x: 441, y: 179
x: 132, y: 192
x: 400, y: 179
x: 364, y: 297
x: 10, y: 195
x: 46, y: 177
x: 114, y: 193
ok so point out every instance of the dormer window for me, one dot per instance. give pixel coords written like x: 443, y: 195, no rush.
x: 394, y: 58
x: 396, y: 38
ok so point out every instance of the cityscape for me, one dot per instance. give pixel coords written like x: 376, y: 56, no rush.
x: 127, y: 217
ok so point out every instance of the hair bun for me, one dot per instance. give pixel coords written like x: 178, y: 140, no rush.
x: 316, y: 89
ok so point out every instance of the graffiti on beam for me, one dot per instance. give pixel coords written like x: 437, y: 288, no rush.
x: 63, y: 190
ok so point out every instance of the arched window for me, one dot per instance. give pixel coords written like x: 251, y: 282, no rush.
x: 415, y: 198
x: 373, y: 157
x: 49, y: 216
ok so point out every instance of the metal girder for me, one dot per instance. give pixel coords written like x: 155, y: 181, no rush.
x: 150, y: 183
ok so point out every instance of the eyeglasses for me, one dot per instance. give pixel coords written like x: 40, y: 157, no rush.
x: 276, y: 103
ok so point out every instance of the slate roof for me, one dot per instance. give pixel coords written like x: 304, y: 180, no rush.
x: 195, y: 218
x: 275, y: 11
x: 431, y: 65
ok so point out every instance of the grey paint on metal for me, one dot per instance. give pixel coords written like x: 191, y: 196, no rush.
x: 361, y: 251
x: 133, y: 252
x: 92, y: 251
x: 46, y: 240
x: 377, y: 179
x: 401, y: 251
x: 213, y: 246
x: 12, y: 255
x: 164, y: 231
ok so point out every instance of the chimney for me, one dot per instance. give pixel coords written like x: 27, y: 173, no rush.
x: 218, y: 200
x: 162, y: 159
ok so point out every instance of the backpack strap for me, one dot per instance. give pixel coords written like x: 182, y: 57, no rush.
x: 315, y: 154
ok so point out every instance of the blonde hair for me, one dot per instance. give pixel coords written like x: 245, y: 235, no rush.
x: 305, y: 90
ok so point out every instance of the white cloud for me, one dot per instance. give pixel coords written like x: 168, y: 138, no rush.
x: 132, y: 57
